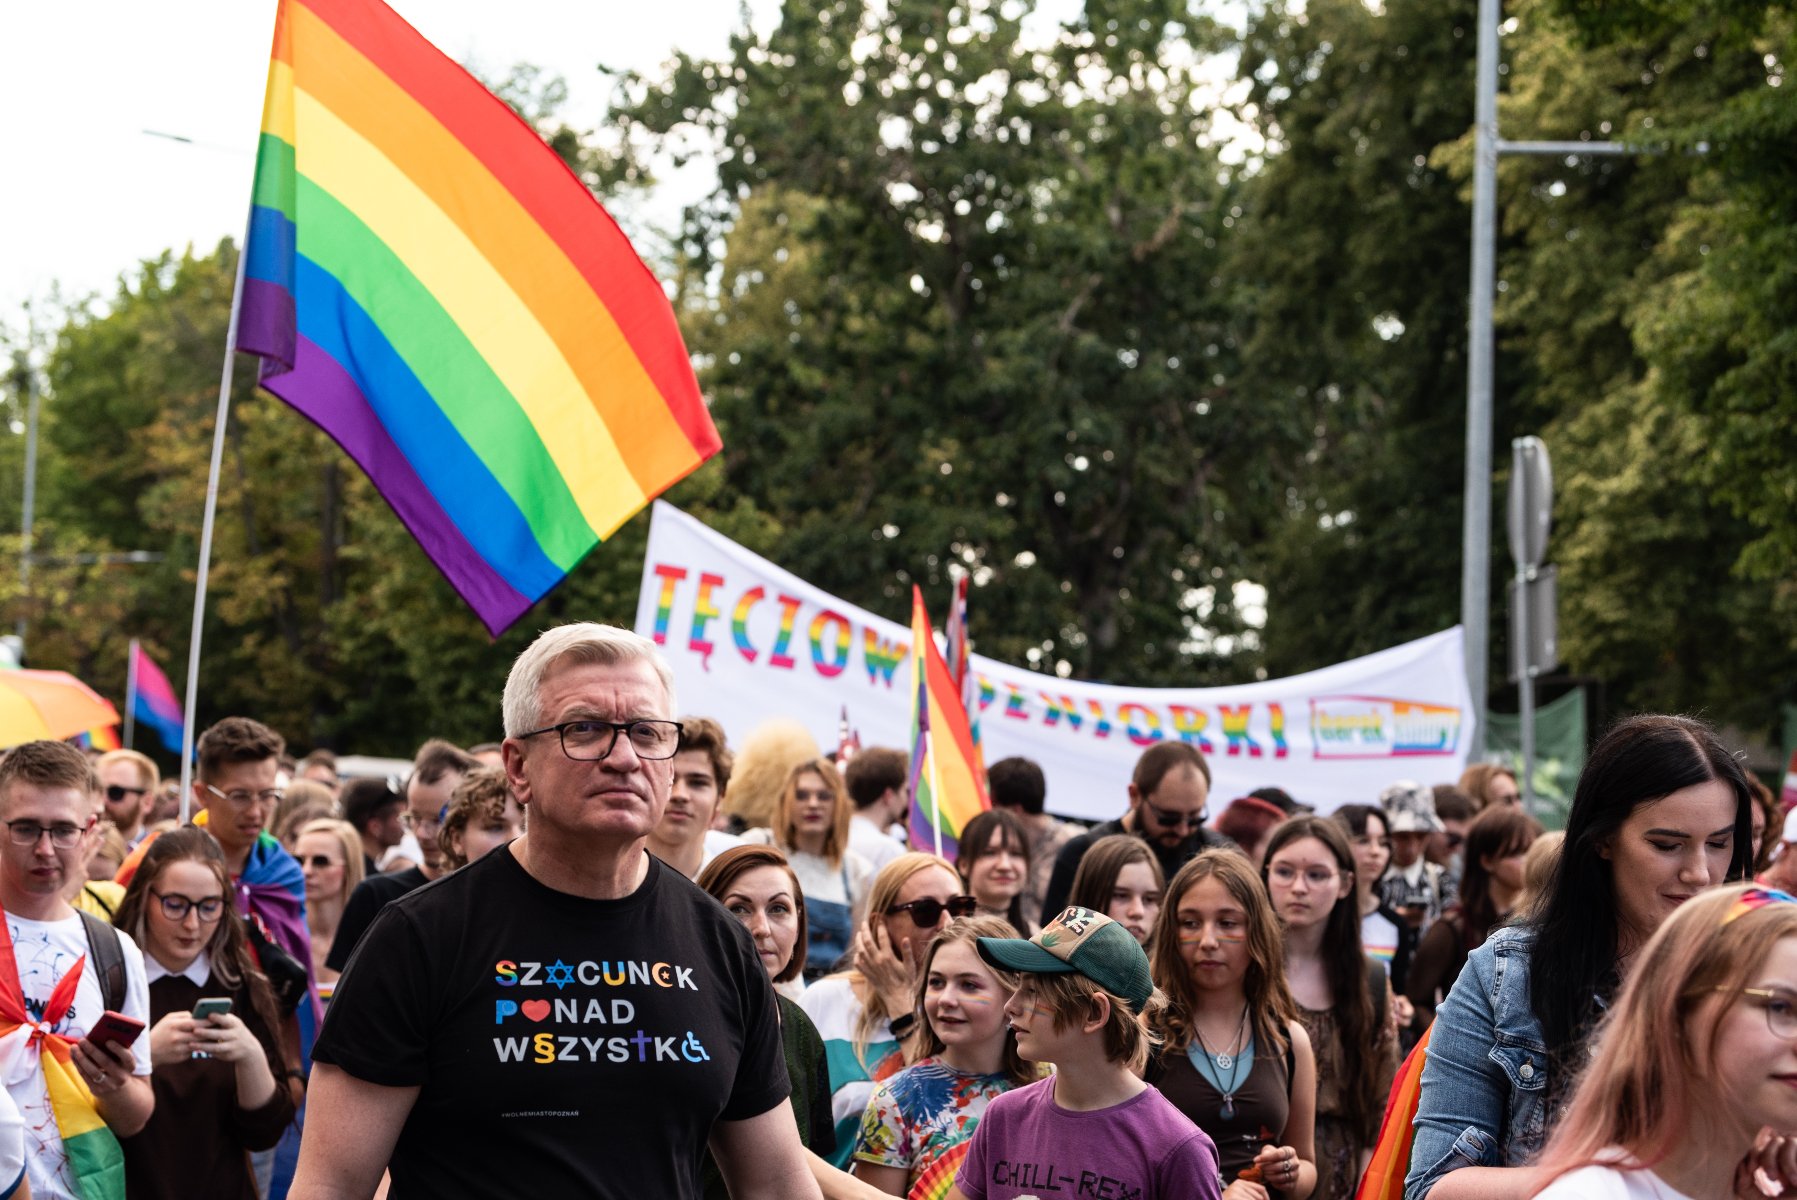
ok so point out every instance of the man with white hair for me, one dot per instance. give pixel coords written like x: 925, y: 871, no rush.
x: 567, y: 1016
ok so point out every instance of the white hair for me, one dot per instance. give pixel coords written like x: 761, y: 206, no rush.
x: 586, y: 642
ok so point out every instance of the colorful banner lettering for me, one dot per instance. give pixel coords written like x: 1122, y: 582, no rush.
x: 1330, y: 737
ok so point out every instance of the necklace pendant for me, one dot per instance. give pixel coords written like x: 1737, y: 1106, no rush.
x: 1225, y: 1061
x: 1228, y: 1110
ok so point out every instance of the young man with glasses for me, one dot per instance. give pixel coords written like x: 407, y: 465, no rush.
x: 1168, y: 794
x: 436, y: 771
x: 48, y: 800
x: 571, y: 1006
x: 236, y: 789
x: 128, y: 783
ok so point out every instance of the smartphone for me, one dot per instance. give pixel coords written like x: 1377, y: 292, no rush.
x: 212, y: 1006
x: 115, y: 1028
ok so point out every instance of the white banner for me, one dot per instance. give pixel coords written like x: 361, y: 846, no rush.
x: 749, y: 641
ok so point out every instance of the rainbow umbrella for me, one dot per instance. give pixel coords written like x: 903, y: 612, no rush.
x: 49, y: 704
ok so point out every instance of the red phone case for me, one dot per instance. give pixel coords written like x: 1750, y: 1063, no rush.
x: 115, y: 1027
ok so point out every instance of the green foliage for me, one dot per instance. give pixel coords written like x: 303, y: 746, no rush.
x: 959, y: 301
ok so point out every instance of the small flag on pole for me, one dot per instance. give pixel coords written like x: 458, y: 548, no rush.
x: 960, y: 667
x: 149, y: 699
x: 430, y: 284
x: 947, y: 787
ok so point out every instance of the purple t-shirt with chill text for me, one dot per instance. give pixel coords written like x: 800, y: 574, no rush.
x: 1029, y: 1148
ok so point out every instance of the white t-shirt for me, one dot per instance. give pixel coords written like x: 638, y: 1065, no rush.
x: 45, y: 950
x: 12, y: 1145
x: 871, y: 842
x: 1610, y: 1183
x: 716, y: 842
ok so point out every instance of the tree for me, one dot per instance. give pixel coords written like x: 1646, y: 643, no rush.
x: 958, y: 301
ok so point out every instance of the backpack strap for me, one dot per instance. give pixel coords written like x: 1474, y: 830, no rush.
x: 107, y: 957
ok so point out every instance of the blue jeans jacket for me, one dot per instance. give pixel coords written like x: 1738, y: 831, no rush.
x: 1484, y: 1090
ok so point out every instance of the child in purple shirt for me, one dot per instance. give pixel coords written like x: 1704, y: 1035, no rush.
x: 1093, y: 1129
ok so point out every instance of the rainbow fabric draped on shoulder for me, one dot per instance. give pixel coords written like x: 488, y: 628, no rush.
x: 433, y: 287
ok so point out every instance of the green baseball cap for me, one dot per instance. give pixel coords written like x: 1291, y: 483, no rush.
x: 1079, y: 942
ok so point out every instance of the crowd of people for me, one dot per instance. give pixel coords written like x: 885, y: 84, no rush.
x: 609, y: 956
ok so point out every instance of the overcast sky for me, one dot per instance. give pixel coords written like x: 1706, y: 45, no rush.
x: 85, y: 193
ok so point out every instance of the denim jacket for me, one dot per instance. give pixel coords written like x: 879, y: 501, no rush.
x: 1484, y: 1088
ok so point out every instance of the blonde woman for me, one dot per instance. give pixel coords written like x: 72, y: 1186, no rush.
x: 867, y: 1015
x: 1696, y: 1057
x: 811, y: 827
x: 330, y: 856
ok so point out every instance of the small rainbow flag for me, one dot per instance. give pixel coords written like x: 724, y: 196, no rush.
x: 100, y: 737
x: 149, y: 699
x: 434, y: 288
x: 947, y: 786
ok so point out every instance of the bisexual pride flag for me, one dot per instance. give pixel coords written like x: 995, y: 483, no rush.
x: 151, y: 701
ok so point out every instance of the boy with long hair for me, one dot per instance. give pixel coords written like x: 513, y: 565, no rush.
x: 1093, y: 1127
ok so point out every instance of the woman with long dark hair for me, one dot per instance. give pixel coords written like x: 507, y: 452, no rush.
x: 1234, y: 1057
x: 223, y: 1086
x: 1121, y: 878
x: 1497, y: 842
x: 1662, y: 812
x: 994, y: 864
x: 1344, y: 998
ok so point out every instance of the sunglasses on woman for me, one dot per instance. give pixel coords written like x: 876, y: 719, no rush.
x: 926, y: 912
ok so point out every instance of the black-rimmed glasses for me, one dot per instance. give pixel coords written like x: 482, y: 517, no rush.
x: 176, y: 907
x: 926, y: 912
x: 62, y: 836
x: 589, y: 740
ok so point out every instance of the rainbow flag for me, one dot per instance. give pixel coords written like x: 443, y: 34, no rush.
x: 1390, y: 1161
x: 150, y: 700
x: 434, y: 288
x: 947, y: 786
x: 100, y: 737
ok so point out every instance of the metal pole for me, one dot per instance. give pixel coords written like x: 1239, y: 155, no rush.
x: 130, y: 693
x: 1525, y: 686
x: 29, y: 376
x: 205, y: 563
x: 1475, y: 567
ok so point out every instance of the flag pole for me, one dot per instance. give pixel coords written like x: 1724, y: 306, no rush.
x: 935, y: 788
x: 130, y: 693
x: 205, y: 563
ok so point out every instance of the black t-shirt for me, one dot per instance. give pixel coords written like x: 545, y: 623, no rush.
x: 564, y: 1046
x: 365, y: 904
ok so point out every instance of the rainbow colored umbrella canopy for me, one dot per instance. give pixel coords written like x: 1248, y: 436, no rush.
x: 49, y: 704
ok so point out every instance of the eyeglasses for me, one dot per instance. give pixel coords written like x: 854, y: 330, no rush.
x: 589, y: 740
x: 1316, y: 877
x: 1781, y: 1009
x: 118, y: 793
x: 1175, y: 820
x: 319, y: 862
x: 414, y: 822
x: 63, y: 837
x: 176, y: 908
x: 243, y: 797
x: 927, y: 912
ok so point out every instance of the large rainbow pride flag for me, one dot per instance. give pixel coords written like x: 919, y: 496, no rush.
x: 433, y: 287
x: 948, y: 787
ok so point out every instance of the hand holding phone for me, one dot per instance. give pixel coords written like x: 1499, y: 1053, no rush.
x: 115, y: 1028
x: 203, y: 1012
